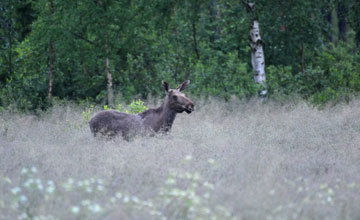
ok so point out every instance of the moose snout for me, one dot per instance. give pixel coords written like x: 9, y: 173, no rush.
x: 190, y: 108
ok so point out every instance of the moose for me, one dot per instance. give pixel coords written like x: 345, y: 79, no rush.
x: 112, y: 123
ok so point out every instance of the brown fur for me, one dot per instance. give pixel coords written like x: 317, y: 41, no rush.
x: 112, y: 123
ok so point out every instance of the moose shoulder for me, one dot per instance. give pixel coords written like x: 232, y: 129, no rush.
x: 113, y: 123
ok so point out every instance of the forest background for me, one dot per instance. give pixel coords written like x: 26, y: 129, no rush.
x: 107, y: 51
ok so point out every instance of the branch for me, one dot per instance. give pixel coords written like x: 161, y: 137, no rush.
x: 244, y: 2
x: 82, y: 38
x: 250, y: 6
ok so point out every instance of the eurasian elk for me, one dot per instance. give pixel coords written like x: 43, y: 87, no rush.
x: 112, y: 123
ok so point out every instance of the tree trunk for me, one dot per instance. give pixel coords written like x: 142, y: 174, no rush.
x: 215, y: 17
x: 302, y: 58
x: 195, y: 41
x: 51, y: 67
x: 329, y: 25
x: 10, y: 37
x: 341, y: 11
x: 110, y: 90
x: 7, y: 9
x: 257, y: 52
x: 326, y: 11
x: 51, y: 54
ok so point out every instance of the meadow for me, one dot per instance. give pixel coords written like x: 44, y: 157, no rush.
x: 226, y: 160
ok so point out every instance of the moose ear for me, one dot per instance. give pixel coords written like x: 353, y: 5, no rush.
x: 166, y: 86
x: 183, y: 85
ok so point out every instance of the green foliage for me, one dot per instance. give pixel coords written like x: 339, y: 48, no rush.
x: 87, y: 114
x: 280, y: 80
x: 340, y: 76
x: 136, y: 106
x: 24, y: 92
x: 333, y: 76
x: 204, y: 41
x: 223, y: 75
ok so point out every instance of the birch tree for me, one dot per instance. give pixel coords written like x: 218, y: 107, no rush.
x: 256, y: 45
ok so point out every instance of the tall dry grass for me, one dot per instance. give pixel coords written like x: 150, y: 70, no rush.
x: 266, y: 161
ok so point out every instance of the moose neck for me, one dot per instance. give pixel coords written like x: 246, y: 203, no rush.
x: 167, y: 116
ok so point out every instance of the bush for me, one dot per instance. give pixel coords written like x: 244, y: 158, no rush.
x: 333, y: 76
x: 223, y: 75
x: 136, y: 106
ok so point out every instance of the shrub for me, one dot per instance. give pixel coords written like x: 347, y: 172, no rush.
x: 136, y: 106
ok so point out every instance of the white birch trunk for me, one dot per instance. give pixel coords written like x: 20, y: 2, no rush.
x: 109, y: 83
x: 257, y: 52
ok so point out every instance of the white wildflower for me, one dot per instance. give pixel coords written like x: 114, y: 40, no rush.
x: 75, y: 210
x: 29, y: 182
x: 331, y: 191
x: 50, y: 189
x: 15, y: 190
x: 34, y: 170
x: 206, y: 195
x: 188, y: 157
x: 95, y: 208
x: 89, y: 189
x: 70, y: 181
x: 39, y: 184
x: 272, y: 192
x: 196, y: 176
x: 211, y: 161
x: 85, y: 202
x: 126, y: 199
x: 118, y: 195
x: 23, y: 216
x: 196, y: 200
x: 351, y: 185
x: 6, y: 179
x: 50, y: 182
x: 175, y: 192
x: 86, y: 182
x: 208, y: 185
x: 148, y: 203
x: 170, y: 181
x: 323, y: 186
x: 153, y: 212
x: 206, y: 211
x: 188, y: 175
x: 135, y: 199
x: 113, y: 200
x: 278, y: 209
x: 24, y: 170
x: 23, y: 198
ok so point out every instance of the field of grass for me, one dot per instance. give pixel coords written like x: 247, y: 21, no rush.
x: 235, y: 160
